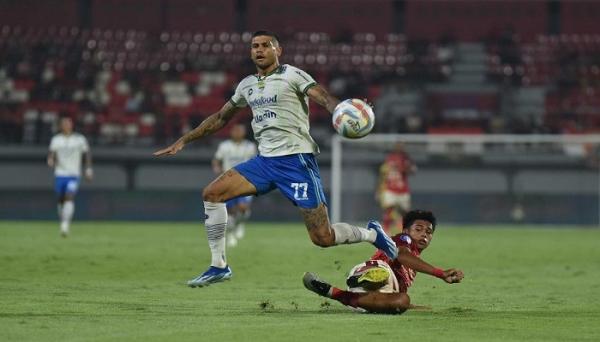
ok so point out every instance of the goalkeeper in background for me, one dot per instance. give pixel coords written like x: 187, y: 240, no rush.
x: 393, y: 192
x: 230, y: 153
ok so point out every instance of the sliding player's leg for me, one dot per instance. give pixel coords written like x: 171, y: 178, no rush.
x: 372, y: 301
x: 229, y: 185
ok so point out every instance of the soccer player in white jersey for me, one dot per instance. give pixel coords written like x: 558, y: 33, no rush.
x: 230, y: 153
x: 278, y: 96
x: 66, y: 151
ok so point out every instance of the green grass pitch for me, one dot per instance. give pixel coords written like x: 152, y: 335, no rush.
x: 126, y: 281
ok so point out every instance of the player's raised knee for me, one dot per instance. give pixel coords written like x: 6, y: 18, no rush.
x: 210, y: 194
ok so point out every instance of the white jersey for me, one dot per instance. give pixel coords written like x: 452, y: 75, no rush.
x: 69, y: 150
x: 280, y: 110
x: 231, y: 153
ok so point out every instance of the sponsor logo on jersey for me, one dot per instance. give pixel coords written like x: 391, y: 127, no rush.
x: 263, y: 101
x: 267, y: 114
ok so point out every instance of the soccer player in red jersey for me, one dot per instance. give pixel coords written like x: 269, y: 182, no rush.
x: 380, y: 284
x: 393, y: 192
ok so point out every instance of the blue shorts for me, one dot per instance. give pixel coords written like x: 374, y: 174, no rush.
x: 66, y: 185
x: 295, y: 175
x: 238, y: 200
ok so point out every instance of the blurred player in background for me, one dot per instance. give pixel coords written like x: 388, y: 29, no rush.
x: 67, y: 149
x: 393, y: 192
x: 230, y: 153
x: 381, y: 284
x: 278, y: 96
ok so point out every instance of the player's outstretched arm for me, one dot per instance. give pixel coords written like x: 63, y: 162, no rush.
x: 211, y: 124
x: 450, y: 275
x: 322, y: 97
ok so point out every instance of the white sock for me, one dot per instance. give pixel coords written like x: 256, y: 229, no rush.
x: 346, y: 233
x: 68, y: 209
x: 216, y: 222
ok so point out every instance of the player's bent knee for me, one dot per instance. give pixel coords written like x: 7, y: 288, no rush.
x: 209, y: 194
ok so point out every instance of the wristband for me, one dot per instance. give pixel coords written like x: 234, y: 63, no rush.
x: 438, y: 272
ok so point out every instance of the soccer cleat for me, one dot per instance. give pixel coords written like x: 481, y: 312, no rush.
x: 211, y: 276
x: 383, y: 241
x: 371, y: 280
x: 316, y: 285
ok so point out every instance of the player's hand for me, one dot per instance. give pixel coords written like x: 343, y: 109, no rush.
x: 50, y: 162
x: 452, y: 276
x: 171, y: 150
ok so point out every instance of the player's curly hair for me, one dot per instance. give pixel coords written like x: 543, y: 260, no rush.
x: 414, y: 215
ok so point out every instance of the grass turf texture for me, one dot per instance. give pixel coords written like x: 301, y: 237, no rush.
x: 125, y: 281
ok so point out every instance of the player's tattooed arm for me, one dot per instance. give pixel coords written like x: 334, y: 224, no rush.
x: 210, y: 125
x: 322, y: 97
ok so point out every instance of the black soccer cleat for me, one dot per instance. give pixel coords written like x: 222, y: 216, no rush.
x: 316, y: 285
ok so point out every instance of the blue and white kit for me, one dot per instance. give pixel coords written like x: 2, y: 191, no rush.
x: 295, y: 175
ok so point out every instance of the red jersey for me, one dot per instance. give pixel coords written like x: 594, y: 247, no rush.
x: 404, y: 274
x: 395, y: 171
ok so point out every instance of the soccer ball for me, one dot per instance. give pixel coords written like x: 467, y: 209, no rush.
x: 353, y: 118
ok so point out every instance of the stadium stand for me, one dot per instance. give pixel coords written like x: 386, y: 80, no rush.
x: 121, y: 85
